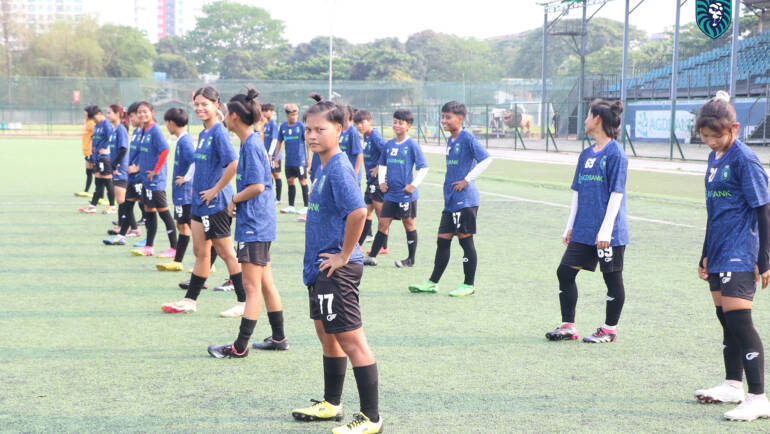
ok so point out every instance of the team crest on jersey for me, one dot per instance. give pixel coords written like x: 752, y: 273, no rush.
x: 603, y: 163
x: 713, y: 16
x: 725, y: 174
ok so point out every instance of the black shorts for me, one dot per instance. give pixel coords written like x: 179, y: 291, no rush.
x: 255, y: 252
x: 88, y: 158
x: 373, y: 193
x: 215, y: 225
x: 154, y: 198
x: 119, y: 183
x: 334, y: 300
x: 459, y: 222
x: 296, y: 172
x: 738, y: 284
x: 275, y: 167
x: 103, y: 166
x: 134, y: 191
x: 399, y: 210
x: 586, y: 257
x: 182, y: 214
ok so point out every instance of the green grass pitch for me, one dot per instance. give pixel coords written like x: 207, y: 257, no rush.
x: 84, y: 346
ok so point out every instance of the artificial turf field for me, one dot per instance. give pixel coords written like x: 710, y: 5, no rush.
x: 84, y: 346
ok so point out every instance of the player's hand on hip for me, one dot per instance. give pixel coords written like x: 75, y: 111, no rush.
x: 332, y: 262
x: 703, y: 272
x: 179, y: 181
x: 409, y: 188
x: 565, y: 238
x: 208, y: 195
x: 150, y: 174
x: 384, y: 187
x: 460, y: 185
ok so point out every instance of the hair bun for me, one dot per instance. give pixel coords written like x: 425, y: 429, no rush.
x: 316, y: 97
x: 722, y: 96
x: 617, y: 107
x: 251, y: 94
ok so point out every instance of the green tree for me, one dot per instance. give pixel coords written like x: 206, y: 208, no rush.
x: 174, y: 44
x: 441, y: 57
x: 127, y: 53
x: 68, y: 48
x: 175, y: 66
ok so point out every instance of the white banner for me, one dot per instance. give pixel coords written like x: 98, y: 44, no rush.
x: 655, y: 124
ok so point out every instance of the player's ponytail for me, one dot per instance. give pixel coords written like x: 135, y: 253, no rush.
x: 333, y: 112
x: 718, y: 114
x: 610, y: 113
x: 245, y: 105
x: 122, y: 115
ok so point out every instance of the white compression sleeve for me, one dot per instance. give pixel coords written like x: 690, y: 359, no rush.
x: 420, y: 176
x: 190, y: 173
x: 572, y: 213
x: 381, y: 171
x: 478, y: 170
x: 613, y: 206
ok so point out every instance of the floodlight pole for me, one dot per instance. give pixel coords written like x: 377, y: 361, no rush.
x: 734, y: 52
x: 674, y: 79
x: 582, y: 79
x: 331, y: 42
x: 544, y: 73
x: 624, y: 71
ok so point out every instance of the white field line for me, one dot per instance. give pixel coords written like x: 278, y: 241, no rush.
x: 561, y: 205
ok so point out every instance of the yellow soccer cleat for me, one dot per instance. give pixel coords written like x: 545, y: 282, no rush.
x: 82, y: 194
x: 360, y: 425
x: 170, y: 266
x: 319, y: 411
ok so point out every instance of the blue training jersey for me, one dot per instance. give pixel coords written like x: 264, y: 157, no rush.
x: 335, y: 194
x: 315, y: 164
x: 736, y: 183
x: 133, y: 155
x: 374, y: 146
x: 118, y: 141
x: 153, y: 143
x: 597, y: 175
x: 399, y: 159
x: 293, y: 138
x: 270, y: 132
x: 254, y: 218
x: 213, y: 153
x: 462, y: 155
x: 184, y: 155
x: 100, y: 140
x: 350, y: 144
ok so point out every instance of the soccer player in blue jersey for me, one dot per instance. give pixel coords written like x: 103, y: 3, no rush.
x: 596, y: 230
x: 735, y: 257
x: 350, y: 143
x: 118, y: 157
x: 153, y: 151
x: 254, y: 211
x: 332, y: 272
x: 215, y: 166
x: 291, y: 135
x: 399, y: 186
x: 466, y: 159
x: 176, y: 120
x: 270, y: 129
x: 374, y: 146
x: 133, y: 184
x: 100, y: 156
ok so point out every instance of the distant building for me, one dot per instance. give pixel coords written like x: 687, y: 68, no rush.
x: 160, y: 18
x: 39, y: 14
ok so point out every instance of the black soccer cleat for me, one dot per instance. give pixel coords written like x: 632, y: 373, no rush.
x: 368, y: 260
x: 602, y: 336
x: 226, y: 351
x: 566, y: 332
x: 186, y: 285
x: 112, y: 232
x: 403, y: 263
x: 271, y: 344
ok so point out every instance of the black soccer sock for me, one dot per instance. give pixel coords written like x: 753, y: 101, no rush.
x: 121, y: 214
x: 292, y: 194
x: 170, y: 227
x: 152, y: 227
x: 181, y: 247
x: 366, y: 380
x: 196, y: 284
x: 379, y: 239
x: 240, y: 293
x: 98, y: 191
x: 411, y: 243
x: 367, y: 230
x: 470, y: 259
x: 144, y: 213
x: 213, y: 255
x: 128, y: 219
x: 130, y: 214
x: 110, y: 191
x: 731, y: 351
x: 334, y: 378
x: 304, y: 194
x: 739, y: 323
x: 568, y: 292
x: 276, y: 323
x: 247, y: 328
x: 278, y: 186
x: 443, y: 252
x: 616, y: 296
x: 89, y: 177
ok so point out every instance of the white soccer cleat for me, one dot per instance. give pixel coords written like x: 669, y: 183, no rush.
x: 182, y: 306
x: 234, y: 312
x: 754, y: 407
x: 724, y: 392
x: 302, y: 211
x: 289, y: 210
